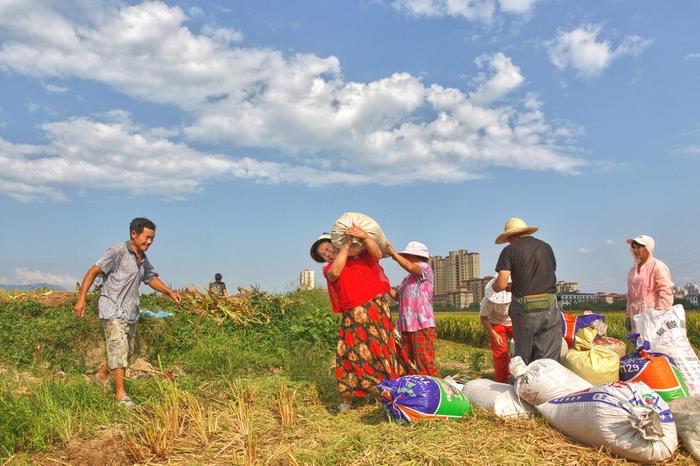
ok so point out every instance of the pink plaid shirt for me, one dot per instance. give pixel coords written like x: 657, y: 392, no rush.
x: 416, y: 301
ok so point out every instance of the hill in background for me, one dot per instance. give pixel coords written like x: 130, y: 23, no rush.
x: 32, y: 286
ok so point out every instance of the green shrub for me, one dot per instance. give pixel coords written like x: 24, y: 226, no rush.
x: 33, y: 334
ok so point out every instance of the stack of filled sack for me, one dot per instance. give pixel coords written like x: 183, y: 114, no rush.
x: 635, y: 405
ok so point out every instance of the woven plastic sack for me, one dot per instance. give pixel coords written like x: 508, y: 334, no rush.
x: 367, y: 223
x: 613, y: 344
x: 543, y: 380
x: 595, y: 364
x: 571, y: 324
x: 629, y: 419
x: 657, y: 370
x: 413, y: 398
x: 666, y: 333
x: 686, y: 413
x: 497, y: 398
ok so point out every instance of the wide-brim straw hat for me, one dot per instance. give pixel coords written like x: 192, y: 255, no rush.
x: 314, y: 247
x: 416, y: 248
x: 515, y: 226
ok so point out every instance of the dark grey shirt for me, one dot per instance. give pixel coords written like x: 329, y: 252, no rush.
x: 122, y: 276
x: 217, y: 287
x: 532, y: 265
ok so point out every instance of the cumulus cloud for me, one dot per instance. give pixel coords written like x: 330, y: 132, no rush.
x: 115, y: 154
x: 471, y: 10
x: 297, y: 109
x: 692, y: 56
x: 584, y: 250
x: 24, y: 276
x: 505, y: 78
x: 609, y: 241
x: 583, y: 51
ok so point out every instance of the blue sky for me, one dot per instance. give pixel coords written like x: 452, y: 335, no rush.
x: 243, y: 129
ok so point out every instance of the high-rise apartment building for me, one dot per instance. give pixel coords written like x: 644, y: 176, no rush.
x: 451, y: 274
x: 307, y: 280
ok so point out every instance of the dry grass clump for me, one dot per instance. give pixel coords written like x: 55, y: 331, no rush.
x: 48, y: 298
x: 182, y: 429
x: 247, y: 307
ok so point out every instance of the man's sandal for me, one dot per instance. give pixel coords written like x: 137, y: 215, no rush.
x: 127, y: 403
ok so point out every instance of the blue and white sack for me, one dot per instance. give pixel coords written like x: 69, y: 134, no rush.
x: 627, y: 418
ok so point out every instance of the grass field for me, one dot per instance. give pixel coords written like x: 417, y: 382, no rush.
x: 230, y: 394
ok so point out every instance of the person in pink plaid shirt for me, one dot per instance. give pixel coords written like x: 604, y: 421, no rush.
x: 415, y: 296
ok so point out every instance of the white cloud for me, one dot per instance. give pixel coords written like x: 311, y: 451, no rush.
x: 55, y: 88
x: 693, y: 150
x: 471, y: 10
x: 584, y: 250
x: 692, y: 56
x: 300, y: 108
x: 505, y: 78
x: 581, y: 50
x: 115, y: 154
x: 24, y: 276
x: 222, y: 35
x: 609, y: 241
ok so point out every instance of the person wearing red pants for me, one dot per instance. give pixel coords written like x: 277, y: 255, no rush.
x: 495, y: 318
x: 415, y: 296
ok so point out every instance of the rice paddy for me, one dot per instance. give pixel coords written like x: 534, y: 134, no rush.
x: 260, y: 393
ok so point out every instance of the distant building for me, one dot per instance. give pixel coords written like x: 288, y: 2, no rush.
x: 694, y: 300
x: 568, y: 298
x: 307, y: 280
x: 679, y: 293
x: 451, y: 276
x: 692, y: 289
x: 460, y: 298
x: 610, y: 298
x: 477, y: 286
x: 566, y: 287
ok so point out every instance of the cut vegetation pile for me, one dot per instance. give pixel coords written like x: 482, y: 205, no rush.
x: 247, y: 307
x: 253, y: 384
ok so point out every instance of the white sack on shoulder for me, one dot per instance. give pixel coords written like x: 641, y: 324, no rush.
x: 666, y: 333
x: 629, y: 419
x: 367, y: 223
x: 497, y: 398
x: 543, y: 380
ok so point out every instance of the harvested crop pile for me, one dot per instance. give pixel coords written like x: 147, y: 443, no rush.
x: 245, y: 308
x: 49, y: 298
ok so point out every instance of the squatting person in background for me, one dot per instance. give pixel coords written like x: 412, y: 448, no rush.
x: 415, y: 296
x: 218, y: 287
x: 366, y: 351
x: 495, y: 319
x: 534, y: 311
x: 649, y: 284
x: 123, y: 267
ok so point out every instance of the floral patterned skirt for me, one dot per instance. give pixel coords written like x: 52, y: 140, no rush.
x: 367, y: 351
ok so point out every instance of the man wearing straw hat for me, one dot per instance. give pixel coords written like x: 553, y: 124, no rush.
x: 530, y: 264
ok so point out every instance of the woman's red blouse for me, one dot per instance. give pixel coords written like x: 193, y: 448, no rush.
x: 361, y: 279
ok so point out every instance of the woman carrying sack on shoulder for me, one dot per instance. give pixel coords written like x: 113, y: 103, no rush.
x: 366, y: 351
x: 415, y: 296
